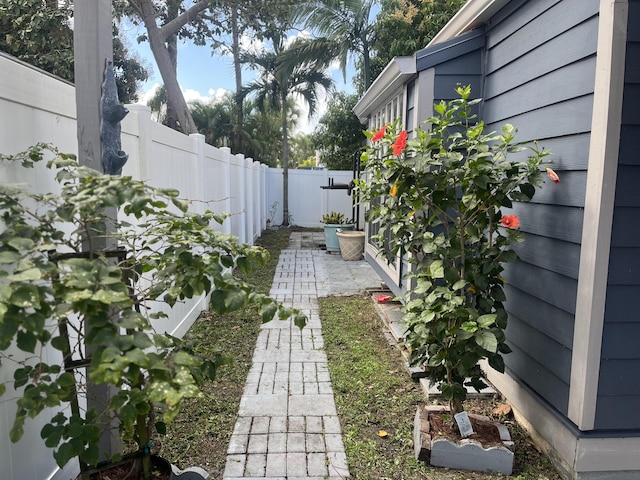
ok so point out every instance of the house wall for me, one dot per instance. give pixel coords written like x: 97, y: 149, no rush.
x: 540, y: 68
x: 619, y: 381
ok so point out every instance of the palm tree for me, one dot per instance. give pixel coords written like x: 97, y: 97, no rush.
x: 345, y: 26
x: 213, y: 120
x: 283, y: 74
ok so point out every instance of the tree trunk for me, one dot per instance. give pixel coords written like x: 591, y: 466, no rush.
x: 366, y: 65
x: 285, y: 164
x: 237, y: 68
x: 172, y: 120
x: 157, y: 38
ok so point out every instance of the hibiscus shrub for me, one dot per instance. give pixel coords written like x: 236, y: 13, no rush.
x: 441, y: 196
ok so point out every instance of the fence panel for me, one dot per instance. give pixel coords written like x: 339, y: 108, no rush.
x: 307, y: 201
x: 36, y: 107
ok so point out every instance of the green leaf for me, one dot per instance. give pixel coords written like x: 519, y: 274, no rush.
x: 20, y: 243
x: 183, y: 358
x: 217, y: 301
x: 161, y: 428
x: 65, y: 453
x: 497, y: 363
x: 436, y: 270
x: 469, y: 327
x: 268, y: 312
x: 60, y: 343
x: 91, y: 455
x: 300, y: 320
x: 485, y: 321
x: 487, y: 340
x: 30, y: 275
x: 51, y: 434
x: 27, y: 341
x: 26, y: 297
x: 8, y: 329
x: 8, y: 257
x: 528, y: 190
x: 235, y: 299
x: 17, y: 431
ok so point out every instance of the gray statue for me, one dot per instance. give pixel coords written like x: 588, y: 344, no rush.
x: 113, y: 158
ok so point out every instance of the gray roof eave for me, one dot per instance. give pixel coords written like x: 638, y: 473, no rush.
x: 473, y: 14
x: 395, y: 74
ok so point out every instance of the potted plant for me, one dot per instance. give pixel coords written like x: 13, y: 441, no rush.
x: 86, y: 288
x: 444, y: 197
x: 334, y: 221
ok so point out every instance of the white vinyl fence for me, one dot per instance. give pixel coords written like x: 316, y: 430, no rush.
x: 36, y: 107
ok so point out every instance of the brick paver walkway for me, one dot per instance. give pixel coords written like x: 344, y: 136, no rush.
x: 287, y: 426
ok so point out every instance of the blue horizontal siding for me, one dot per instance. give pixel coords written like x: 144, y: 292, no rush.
x: 553, y: 88
x: 619, y: 380
x: 527, y: 369
x: 572, y: 46
x: 509, y: 40
x: 617, y: 412
x: 529, y: 340
x: 550, y: 321
x: 567, y: 118
x: 560, y: 222
x: 540, y: 77
x: 617, y: 304
x: 620, y: 342
x: 548, y: 287
x: 551, y: 254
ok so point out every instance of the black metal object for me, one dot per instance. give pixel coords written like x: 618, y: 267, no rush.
x: 349, y: 187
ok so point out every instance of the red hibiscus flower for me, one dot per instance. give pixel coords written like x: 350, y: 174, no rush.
x: 510, y: 221
x: 379, y: 135
x: 401, y: 143
x: 553, y: 175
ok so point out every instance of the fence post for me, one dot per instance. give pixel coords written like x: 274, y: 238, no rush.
x: 257, y: 203
x: 242, y: 234
x: 198, y: 148
x: 248, y: 188
x: 139, y: 160
x: 226, y: 154
x: 264, y: 170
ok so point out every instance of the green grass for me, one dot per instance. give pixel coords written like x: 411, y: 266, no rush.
x: 200, y: 434
x: 374, y: 392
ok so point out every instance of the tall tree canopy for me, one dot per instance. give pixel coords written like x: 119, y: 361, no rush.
x: 345, y: 26
x: 235, y: 20
x: 284, y: 73
x: 164, y: 22
x: 202, y: 22
x: 39, y: 32
x: 404, y: 26
x: 338, y: 135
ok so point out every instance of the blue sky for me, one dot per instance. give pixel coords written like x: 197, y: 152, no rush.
x: 203, y: 76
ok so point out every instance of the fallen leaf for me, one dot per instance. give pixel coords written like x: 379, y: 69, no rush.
x: 382, y: 433
x: 502, y: 410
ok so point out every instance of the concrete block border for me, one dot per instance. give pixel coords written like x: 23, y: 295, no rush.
x: 467, y: 454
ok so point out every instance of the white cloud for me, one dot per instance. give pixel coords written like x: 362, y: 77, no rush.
x: 190, y: 95
x: 252, y: 45
x: 148, y: 95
